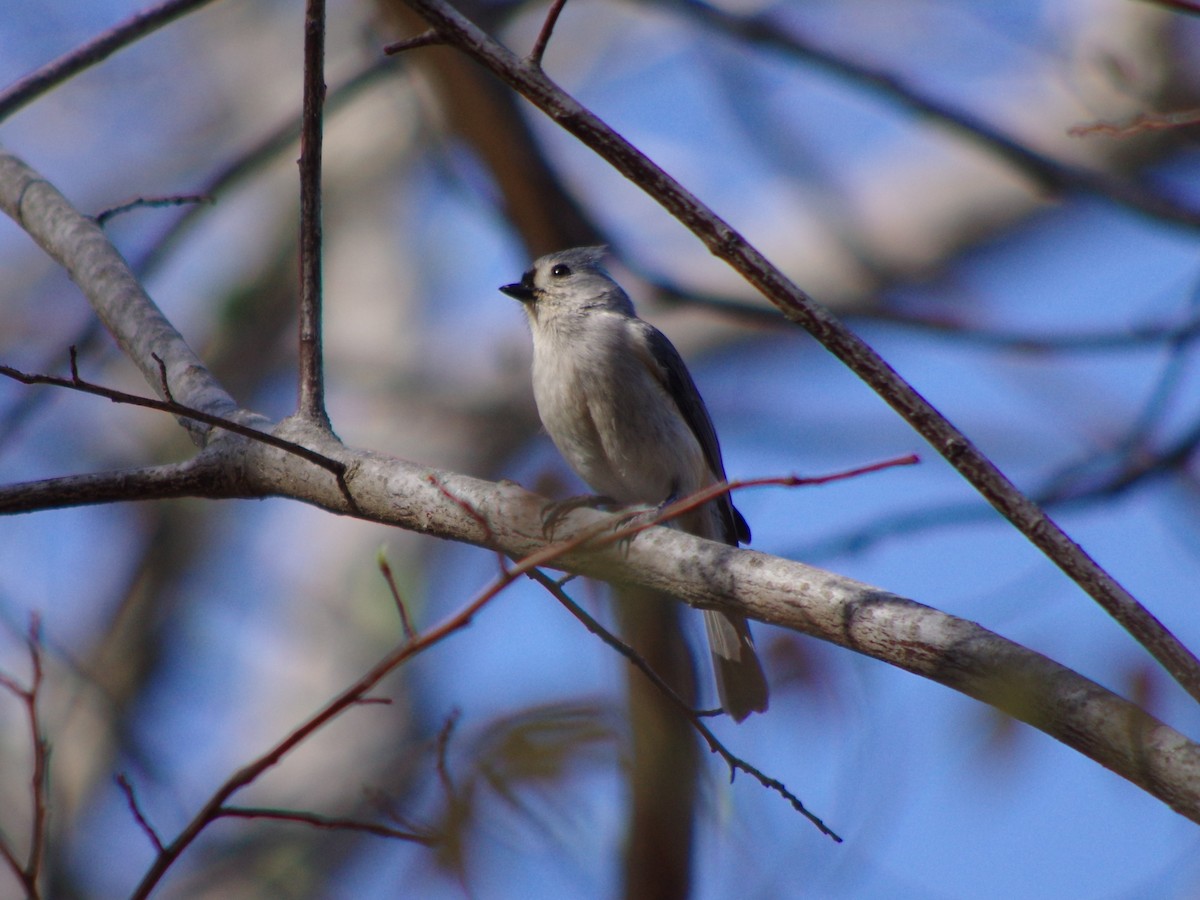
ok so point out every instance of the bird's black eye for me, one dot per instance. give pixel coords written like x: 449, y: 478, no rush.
x: 560, y: 271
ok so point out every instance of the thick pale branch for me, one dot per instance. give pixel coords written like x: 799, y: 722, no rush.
x: 725, y: 243
x: 76, y: 242
x: 954, y: 652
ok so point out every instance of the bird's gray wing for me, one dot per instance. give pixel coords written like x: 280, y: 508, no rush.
x: 672, y: 373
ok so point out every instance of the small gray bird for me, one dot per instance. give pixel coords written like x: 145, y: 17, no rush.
x: 620, y: 405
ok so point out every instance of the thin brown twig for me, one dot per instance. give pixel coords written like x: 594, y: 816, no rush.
x: 543, y: 38
x: 54, y: 73
x: 316, y: 820
x: 39, y: 782
x: 29, y: 872
x: 727, y: 244
x: 637, y: 522
x: 311, y: 368
x: 425, y: 39
x: 78, y: 383
x: 135, y: 808
x: 694, y: 716
x: 102, y: 218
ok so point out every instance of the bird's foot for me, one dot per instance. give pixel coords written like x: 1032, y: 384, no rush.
x: 554, y: 513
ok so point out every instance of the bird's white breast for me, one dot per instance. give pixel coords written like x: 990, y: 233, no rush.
x: 609, y: 414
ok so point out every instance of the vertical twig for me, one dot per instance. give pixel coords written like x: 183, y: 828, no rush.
x: 543, y: 38
x: 312, y: 376
x: 140, y: 817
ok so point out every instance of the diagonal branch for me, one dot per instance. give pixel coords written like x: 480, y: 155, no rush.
x: 98, y: 49
x: 170, y: 405
x: 78, y: 244
x: 725, y: 243
x: 715, y: 745
x: 352, y: 696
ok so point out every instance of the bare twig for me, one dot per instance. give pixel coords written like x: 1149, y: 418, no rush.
x: 543, y: 38
x: 386, y: 569
x: 151, y: 203
x: 312, y: 376
x: 466, y: 507
x: 332, y: 823
x: 99, y: 48
x: 424, y: 39
x: 131, y: 799
x: 727, y: 244
x: 77, y: 383
x: 443, y: 748
x: 705, y: 495
x: 29, y: 872
x: 693, y: 716
x: 347, y: 699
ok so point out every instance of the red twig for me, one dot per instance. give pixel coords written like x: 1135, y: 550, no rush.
x: 705, y: 495
x: 1138, y: 124
x: 348, y: 698
x: 464, y: 506
x: 29, y: 872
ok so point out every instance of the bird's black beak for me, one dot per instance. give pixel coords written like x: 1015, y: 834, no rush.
x: 522, y: 290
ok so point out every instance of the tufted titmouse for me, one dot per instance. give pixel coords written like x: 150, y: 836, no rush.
x: 620, y: 405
